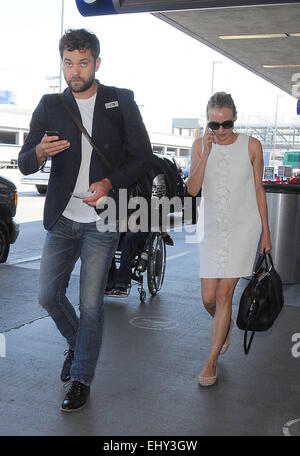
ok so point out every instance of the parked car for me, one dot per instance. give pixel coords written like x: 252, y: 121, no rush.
x: 9, y: 227
x: 39, y: 179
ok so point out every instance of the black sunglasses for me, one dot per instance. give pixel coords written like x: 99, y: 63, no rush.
x: 216, y: 125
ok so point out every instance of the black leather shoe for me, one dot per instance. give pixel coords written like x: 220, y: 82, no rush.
x: 76, y: 397
x: 65, y: 372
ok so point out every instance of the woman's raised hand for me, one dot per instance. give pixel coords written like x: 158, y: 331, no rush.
x: 208, y: 140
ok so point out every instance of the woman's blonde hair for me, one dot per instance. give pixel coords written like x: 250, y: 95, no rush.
x: 221, y: 100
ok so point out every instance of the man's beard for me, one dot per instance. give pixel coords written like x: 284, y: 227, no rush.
x: 85, y: 84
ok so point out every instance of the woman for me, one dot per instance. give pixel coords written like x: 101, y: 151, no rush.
x: 229, y: 168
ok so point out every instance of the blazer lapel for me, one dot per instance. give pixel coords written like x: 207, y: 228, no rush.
x: 99, y: 125
x: 72, y: 105
x: 99, y: 111
x: 70, y: 100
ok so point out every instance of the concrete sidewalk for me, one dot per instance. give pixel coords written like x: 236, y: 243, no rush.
x: 146, y: 380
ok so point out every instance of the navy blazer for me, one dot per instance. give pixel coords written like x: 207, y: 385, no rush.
x: 129, y: 154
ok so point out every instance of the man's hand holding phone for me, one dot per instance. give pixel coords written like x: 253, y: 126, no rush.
x: 99, y: 191
x: 50, y: 145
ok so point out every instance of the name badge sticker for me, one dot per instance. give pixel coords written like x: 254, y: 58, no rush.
x: 112, y: 104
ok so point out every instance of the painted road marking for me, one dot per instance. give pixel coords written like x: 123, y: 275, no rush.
x: 173, y: 257
x: 2, y: 346
x: 287, y: 426
x: 23, y: 260
x: 38, y: 257
x: 154, y: 323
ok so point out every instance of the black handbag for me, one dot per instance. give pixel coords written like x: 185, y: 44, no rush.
x: 261, y: 301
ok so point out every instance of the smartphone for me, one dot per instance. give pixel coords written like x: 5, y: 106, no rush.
x: 82, y: 195
x: 52, y: 133
x: 214, y: 135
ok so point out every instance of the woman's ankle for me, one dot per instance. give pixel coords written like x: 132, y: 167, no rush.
x: 211, y: 363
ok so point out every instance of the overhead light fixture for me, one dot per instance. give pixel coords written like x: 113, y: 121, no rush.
x: 260, y: 36
x: 291, y: 65
x: 253, y: 37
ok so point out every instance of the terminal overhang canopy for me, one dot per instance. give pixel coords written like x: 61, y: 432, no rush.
x: 262, y: 36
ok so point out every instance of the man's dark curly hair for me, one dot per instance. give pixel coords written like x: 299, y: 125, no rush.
x: 79, y: 39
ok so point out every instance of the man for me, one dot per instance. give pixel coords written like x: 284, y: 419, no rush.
x: 70, y: 217
x: 119, y: 280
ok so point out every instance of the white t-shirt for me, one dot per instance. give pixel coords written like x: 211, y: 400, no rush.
x: 76, y: 209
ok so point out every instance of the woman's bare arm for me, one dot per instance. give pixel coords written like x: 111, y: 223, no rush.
x: 256, y: 156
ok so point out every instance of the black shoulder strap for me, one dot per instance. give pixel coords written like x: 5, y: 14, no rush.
x: 79, y: 124
x: 110, y: 95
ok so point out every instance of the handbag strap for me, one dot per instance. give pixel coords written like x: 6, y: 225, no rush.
x: 247, y: 344
x: 252, y: 310
x: 259, y: 263
x: 79, y: 124
x: 267, y: 259
x: 271, y: 261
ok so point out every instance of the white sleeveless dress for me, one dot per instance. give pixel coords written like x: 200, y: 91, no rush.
x: 232, y: 224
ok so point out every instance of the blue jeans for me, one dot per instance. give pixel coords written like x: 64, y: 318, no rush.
x: 65, y: 243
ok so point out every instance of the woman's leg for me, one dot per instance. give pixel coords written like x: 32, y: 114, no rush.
x: 209, y: 292
x: 221, y: 323
x: 209, y: 295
